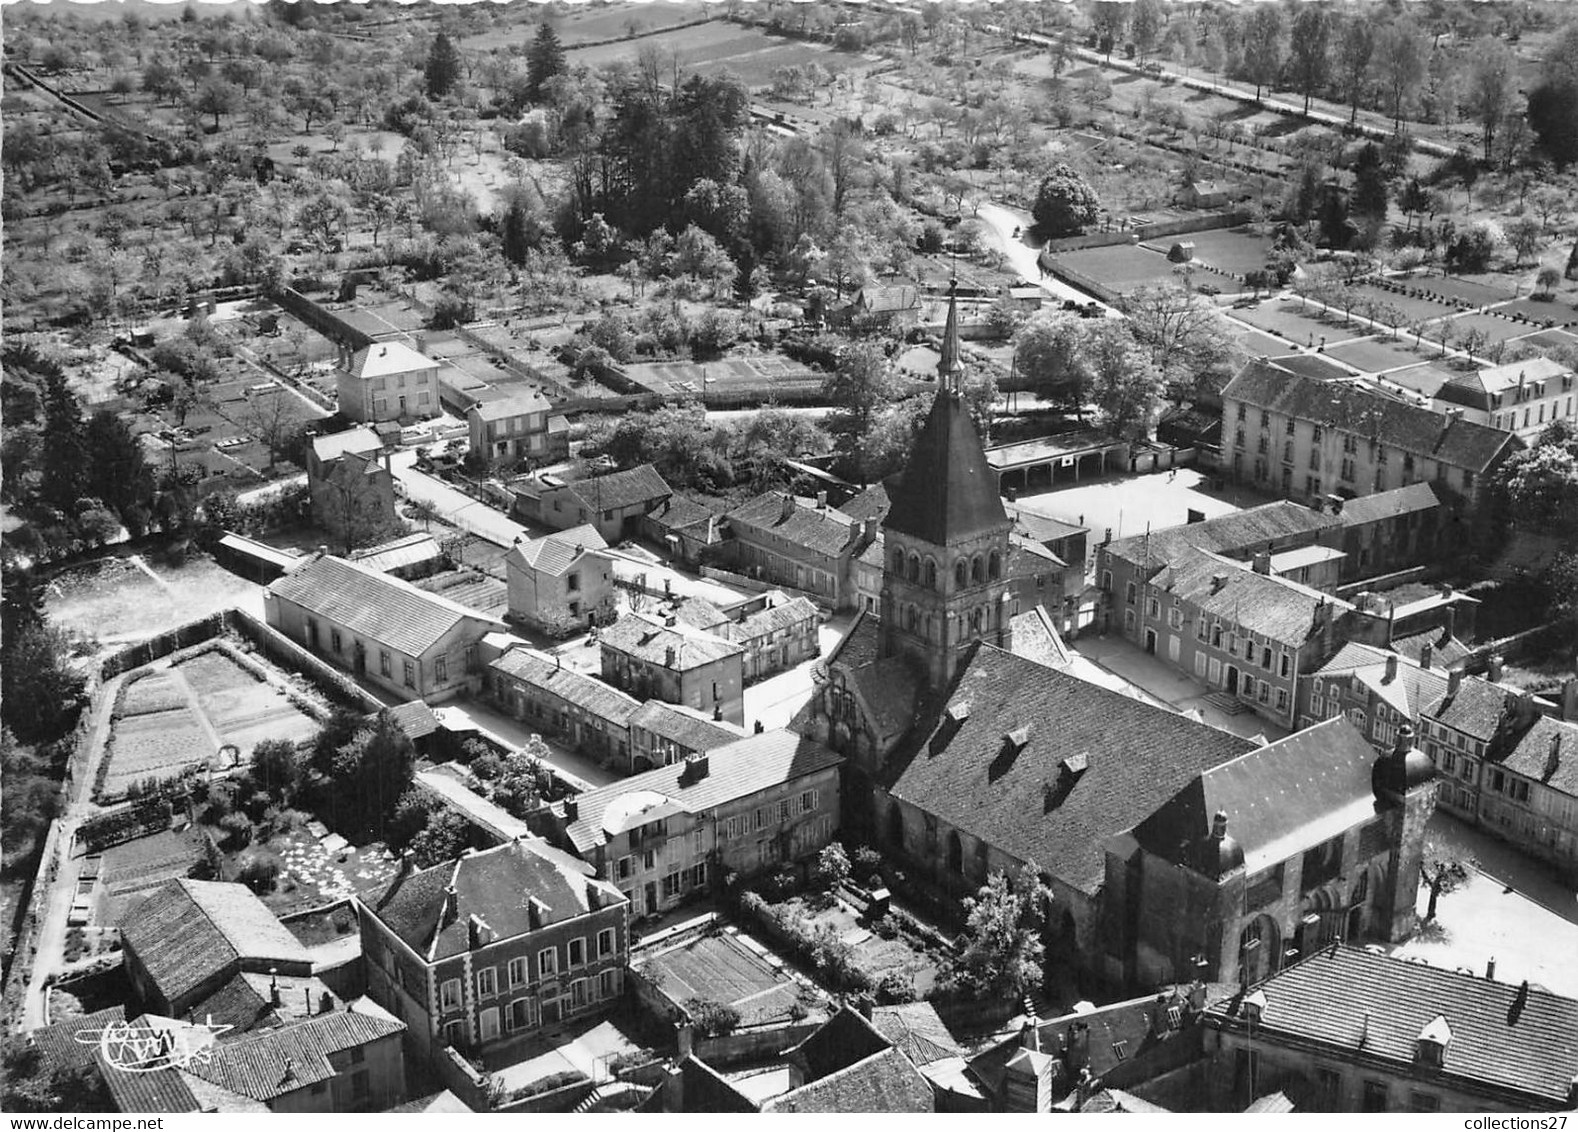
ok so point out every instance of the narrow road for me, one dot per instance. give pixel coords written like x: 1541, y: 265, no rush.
x: 455, y: 506
x: 1024, y: 258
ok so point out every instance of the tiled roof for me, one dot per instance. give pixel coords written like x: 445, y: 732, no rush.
x: 1093, y: 763
x: 1282, y: 523
x: 1028, y: 559
x: 1273, y: 607
x: 1443, y: 653
x: 384, y: 358
x: 1548, y: 753
x: 471, y: 589
x: 680, y: 725
x: 1504, y: 1037
x: 408, y: 550
x: 678, y: 512
x: 1279, y: 800
x: 917, y: 1030
x: 1408, y: 690
x: 619, y: 490
x: 734, y: 771
x: 1475, y: 709
x: 701, y: 1088
x: 358, y: 440
x: 416, y: 719
x: 1499, y: 379
x: 245, y: 1002
x: 1389, y: 504
x: 698, y: 613
x: 785, y: 613
x: 272, y: 1063
x: 187, y: 930
x: 644, y: 638
x: 823, y: 531
x: 585, y: 692
x: 1044, y: 528
x: 384, y: 609
x: 1422, y: 432
x: 57, y: 1045
x: 515, y: 404
x: 947, y: 491
x: 871, y: 503
x: 496, y: 885
x: 885, y: 1082
x: 1037, y: 639
x: 555, y: 553
x: 890, y: 692
x: 164, y: 1090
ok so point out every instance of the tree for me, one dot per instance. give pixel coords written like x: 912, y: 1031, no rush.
x: 1189, y: 340
x: 1048, y: 354
x: 217, y: 97
x: 360, y: 769
x: 270, y: 416
x: 1124, y: 384
x: 696, y: 253
x: 1492, y: 82
x: 860, y: 390
x: 1524, y: 236
x: 445, y: 836
x: 117, y: 472
x: 162, y: 82
x: 1145, y: 22
x: 1065, y: 203
x: 1399, y: 66
x: 1547, y: 280
x: 1369, y: 184
x: 1264, y: 44
x: 41, y: 690
x: 1354, y: 51
x: 276, y: 768
x: 832, y: 867
x: 33, y: 1083
x: 1540, y: 485
x: 442, y: 73
x: 1553, y: 116
x: 64, y: 450
x: 544, y: 60
x: 1441, y: 872
x: 1003, y: 952
x: 1309, y: 47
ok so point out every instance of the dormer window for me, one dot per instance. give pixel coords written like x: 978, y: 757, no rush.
x: 1430, y: 1048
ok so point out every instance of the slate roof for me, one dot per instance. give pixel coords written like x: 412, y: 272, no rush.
x: 870, y: 503
x: 1276, y: 608
x: 384, y: 358
x: 648, y: 639
x: 1282, y: 523
x: 1279, y: 800
x: 585, y: 692
x: 495, y: 885
x: 736, y: 770
x: 416, y: 719
x: 187, y: 930
x: 554, y: 554
x: 1422, y: 432
x: 1388, y: 504
x: 1408, y: 691
x: 1532, y: 757
x: 514, y: 404
x: 618, y: 490
x: 1033, y: 804
x: 1037, y: 639
x: 679, y: 512
x: 1475, y: 710
x: 1499, y: 379
x: 824, y: 531
x: 358, y: 440
x: 271, y: 1063
x: 947, y: 491
x: 408, y: 550
x: 890, y: 691
x: 384, y: 609
x: 1504, y: 1038
x: 916, y: 1029
x: 678, y: 725
x: 1443, y: 653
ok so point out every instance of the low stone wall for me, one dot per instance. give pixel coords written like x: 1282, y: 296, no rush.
x: 752, y: 1043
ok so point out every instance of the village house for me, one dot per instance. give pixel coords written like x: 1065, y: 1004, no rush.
x: 587, y: 713
x: 351, y: 487
x: 615, y: 503
x: 661, y: 659
x: 1391, y: 530
x: 1307, y: 438
x: 1259, y: 860
x: 387, y: 381
x: 511, y: 426
x: 1523, y: 397
x: 561, y: 583
x: 746, y: 807
x: 884, y: 308
x: 386, y: 631
x: 806, y: 546
x: 1068, y: 541
x: 682, y: 527
x: 776, y: 631
x: 494, y: 946
x: 664, y: 734
x: 1347, y: 1030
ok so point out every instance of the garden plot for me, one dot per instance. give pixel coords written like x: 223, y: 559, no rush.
x: 243, y: 707
x: 723, y: 968
x: 882, y: 954
x: 1121, y: 267
x: 1377, y: 355
x: 1493, y: 328
x: 311, y: 875
x: 751, y: 55
x: 1557, y: 314
x: 1284, y: 319
x: 155, y: 692
x: 157, y: 745
x: 1415, y: 309
x: 1234, y: 250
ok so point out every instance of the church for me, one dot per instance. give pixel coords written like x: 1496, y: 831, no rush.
x: 971, y: 748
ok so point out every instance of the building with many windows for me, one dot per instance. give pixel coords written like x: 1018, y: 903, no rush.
x: 664, y: 659
x: 494, y: 945
x: 1307, y: 438
x: 746, y: 807
x: 809, y: 547
x: 561, y: 583
x: 580, y: 709
x: 513, y: 425
x: 1524, y: 398
x: 387, y: 381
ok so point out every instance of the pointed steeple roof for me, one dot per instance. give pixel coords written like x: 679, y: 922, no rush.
x: 947, y: 492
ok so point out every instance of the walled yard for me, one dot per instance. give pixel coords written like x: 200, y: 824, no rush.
x: 881, y: 950
x: 732, y: 969
x: 118, y: 601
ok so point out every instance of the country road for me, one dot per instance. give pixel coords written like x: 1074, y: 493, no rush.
x: 1001, y: 222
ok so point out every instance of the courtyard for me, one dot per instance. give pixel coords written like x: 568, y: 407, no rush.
x: 1121, y: 506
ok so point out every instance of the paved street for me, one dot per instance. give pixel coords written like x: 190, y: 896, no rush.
x: 775, y: 700
x: 1001, y: 222
x: 455, y: 506
x: 1166, y: 683
x: 581, y: 771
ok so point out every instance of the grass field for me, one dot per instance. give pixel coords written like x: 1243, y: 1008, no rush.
x: 1414, y: 309
x: 592, y: 25
x: 117, y: 602
x: 1233, y: 250
x: 1121, y: 266
x: 1375, y: 355
x: 1284, y: 319
x: 716, y: 46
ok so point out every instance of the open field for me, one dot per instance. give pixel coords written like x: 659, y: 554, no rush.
x: 716, y: 46
x: 1374, y: 355
x: 1284, y: 318
x: 1415, y: 308
x: 1234, y: 250
x: 591, y: 25
x: 116, y: 601
x: 1121, y: 267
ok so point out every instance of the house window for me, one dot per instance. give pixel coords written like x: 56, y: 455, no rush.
x: 605, y: 943
x: 1129, y: 593
x: 624, y: 868
x: 1285, y: 666
x: 671, y: 886
x: 1424, y: 1102
x: 1374, y: 1096
x: 449, y: 994
x: 807, y: 800
x: 1282, y: 700
x: 608, y: 984
x: 334, y: 640
x: 547, y: 962
x: 410, y: 674
x: 783, y: 811
x: 1317, y: 434
x: 487, y: 982
x: 441, y: 669
x: 385, y: 667
x: 518, y: 1016
x: 698, y: 875
x: 578, y: 996
x: 1329, y: 1082
x: 578, y: 953
x: 517, y: 971
x: 1175, y: 618
x: 1153, y: 608
x: 649, y: 859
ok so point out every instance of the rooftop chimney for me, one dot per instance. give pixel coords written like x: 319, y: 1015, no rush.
x: 273, y: 986
x: 788, y: 506
x: 1554, y: 758
x: 1426, y: 655
x: 1218, y: 583
x: 572, y: 809
x: 1263, y: 562
x: 670, y: 655
x: 821, y: 501
x: 1405, y: 739
x: 1391, y: 668
x: 696, y: 767
x: 1454, y: 681
x: 1030, y: 1034
x: 1497, y: 669
x: 1570, y: 700
x: 671, y: 620
x: 326, y: 1003
x: 1490, y: 968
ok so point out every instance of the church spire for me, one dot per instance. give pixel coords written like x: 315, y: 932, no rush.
x: 950, y: 367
